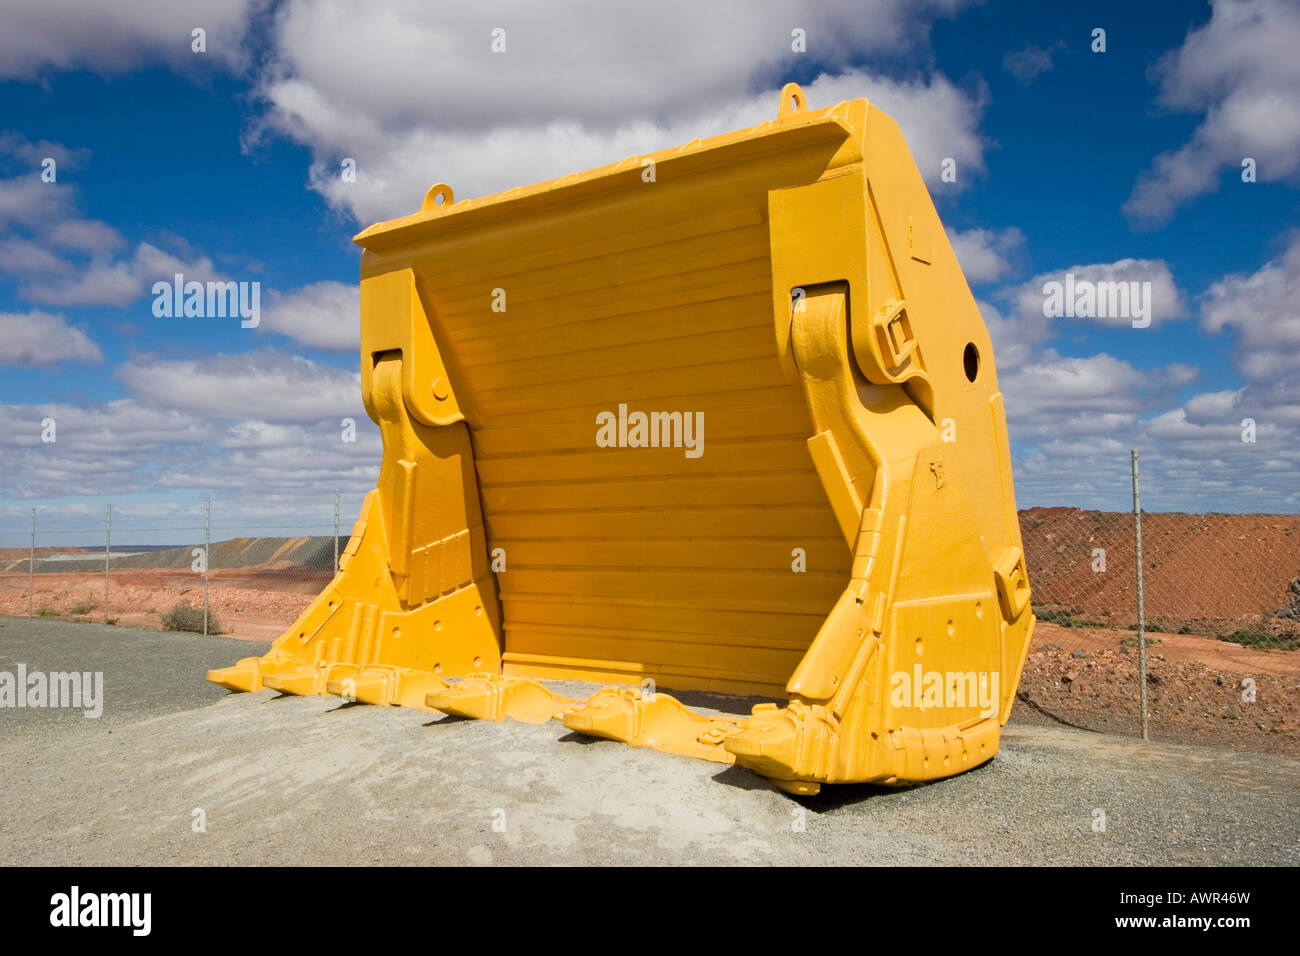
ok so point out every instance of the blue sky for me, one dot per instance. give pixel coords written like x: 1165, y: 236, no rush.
x: 224, y: 163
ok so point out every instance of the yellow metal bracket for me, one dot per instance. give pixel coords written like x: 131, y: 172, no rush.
x: 653, y: 719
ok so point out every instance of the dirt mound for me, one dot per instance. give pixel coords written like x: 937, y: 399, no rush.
x: 256, y: 606
x: 14, y: 559
x: 1187, y: 701
x: 313, y: 552
x: 1201, y: 572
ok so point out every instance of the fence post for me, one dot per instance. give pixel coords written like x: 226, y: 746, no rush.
x: 31, y: 569
x: 108, y: 550
x: 336, y: 532
x: 1141, y: 621
x: 207, y: 557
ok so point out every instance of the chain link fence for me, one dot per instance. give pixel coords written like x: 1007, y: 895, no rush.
x: 1219, y: 615
x: 1215, y: 607
x: 213, y: 570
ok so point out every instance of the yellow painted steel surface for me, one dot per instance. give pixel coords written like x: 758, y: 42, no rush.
x: 827, y: 514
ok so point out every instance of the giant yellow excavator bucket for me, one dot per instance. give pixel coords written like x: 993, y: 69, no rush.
x: 721, y: 418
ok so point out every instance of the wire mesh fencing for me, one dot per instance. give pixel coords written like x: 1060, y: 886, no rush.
x: 1084, y: 663
x: 212, y: 570
x: 1219, y: 614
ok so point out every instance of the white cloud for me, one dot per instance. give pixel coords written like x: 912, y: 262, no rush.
x: 985, y: 254
x: 416, y: 98
x: 259, y: 470
x: 102, y: 429
x: 1073, y: 419
x: 322, y: 315
x: 117, y: 37
x: 26, y: 200
x: 1027, y: 64
x: 38, y: 338
x: 396, y: 168
x: 61, y: 258
x: 1053, y: 395
x: 86, y: 235
x: 1241, y: 70
x: 13, y: 143
x: 20, y: 257
x: 264, y: 385
x: 104, y: 280
x: 1020, y: 329
x: 1263, y: 309
x: 99, y: 449
x: 1166, y: 299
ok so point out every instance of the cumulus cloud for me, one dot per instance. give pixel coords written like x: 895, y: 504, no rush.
x: 414, y: 98
x: 1073, y: 419
x: 61, y: 258
x: 1027, y: 64
x: 1263, y: 310
x: 118, y: 37
x: 25, y: 200
x: 396, y: 168
x: 263, y: 385
x: 323, y: 315
x: 105, y: 280
x: 97, y: 448
x: 1241, y: 71
x: 1055, y: 395
x: 1019, y: 326
x: 985, y: 254
x: 86, y: 235
x: 38, y: 338
x: 33, y: 154
x: 1030, y: 302
x: 262, y: 471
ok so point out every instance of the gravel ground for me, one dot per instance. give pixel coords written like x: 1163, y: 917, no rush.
x: 315, y: 781
x: 1187, y: 701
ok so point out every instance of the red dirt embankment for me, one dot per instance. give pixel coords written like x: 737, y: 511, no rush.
x: 1201, y: 570
x: 247, y: 603
x: 1198, y: 691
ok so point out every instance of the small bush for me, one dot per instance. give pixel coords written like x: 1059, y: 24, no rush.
x: 82, y: 607
x: 183, y: 617
x: 1133, y: 641
x: 1065, y: 617
x: 1263, y: 640
x: 47, y: 612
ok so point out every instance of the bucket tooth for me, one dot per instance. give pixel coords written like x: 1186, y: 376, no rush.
x: 302, y: 681
x: 347, y: 687
x: 786, y: 743
x: 654, y: 720
x: 495, y: 697
x: 798, y: 788
x: 384, y: 685
x: 244, y: 675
